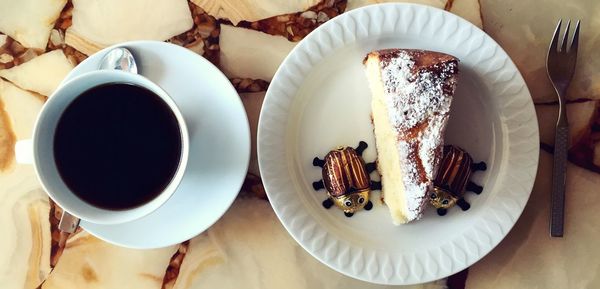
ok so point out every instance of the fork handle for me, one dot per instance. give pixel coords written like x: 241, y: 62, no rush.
x: 559, y: 177
x: 561, y: 91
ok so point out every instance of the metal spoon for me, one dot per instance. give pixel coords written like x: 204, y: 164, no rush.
x: 119, y: 59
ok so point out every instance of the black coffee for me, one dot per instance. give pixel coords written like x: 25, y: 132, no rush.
x: 117, y: 146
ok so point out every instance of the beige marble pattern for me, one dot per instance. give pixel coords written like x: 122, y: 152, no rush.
x: 247, y: 53
x: 524, y: 30
x: 250, y: 236
x: 89, y: 262
x: 97, y: 24
x: 41, y: 74
x: 253, y: 103
x: 252, y: 10
x: 528, y: 257
x: 24, y: 206
x: 32, y: 30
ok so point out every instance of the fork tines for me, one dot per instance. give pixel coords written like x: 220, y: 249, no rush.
x: 563, y: 47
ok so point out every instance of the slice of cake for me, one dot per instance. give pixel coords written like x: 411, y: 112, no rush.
x: 412, y: 91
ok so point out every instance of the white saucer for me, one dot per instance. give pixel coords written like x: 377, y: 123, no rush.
x: 219, y: 146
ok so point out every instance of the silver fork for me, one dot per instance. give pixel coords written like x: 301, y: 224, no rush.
x: 560, y: 64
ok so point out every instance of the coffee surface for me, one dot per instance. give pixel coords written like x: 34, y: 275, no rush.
x: 117, y: 146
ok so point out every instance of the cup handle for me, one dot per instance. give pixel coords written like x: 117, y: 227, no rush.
x: 68, y: 223
x: 24, y: 151
x: 24, y: 155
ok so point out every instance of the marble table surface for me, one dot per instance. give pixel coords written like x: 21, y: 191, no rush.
x: 248, y: 248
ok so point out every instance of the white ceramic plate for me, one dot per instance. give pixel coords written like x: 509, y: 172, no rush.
x: 219, y: 146
x: 319, y: 99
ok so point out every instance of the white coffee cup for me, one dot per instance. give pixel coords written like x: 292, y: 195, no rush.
x: 39, y: 150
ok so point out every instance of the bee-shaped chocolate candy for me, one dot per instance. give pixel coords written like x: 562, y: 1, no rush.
x: 346, y: 179
x: 452, y: 180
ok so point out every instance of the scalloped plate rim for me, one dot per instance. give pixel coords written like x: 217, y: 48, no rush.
x: 266, y: 118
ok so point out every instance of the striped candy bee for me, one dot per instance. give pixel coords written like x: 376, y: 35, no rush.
x: 346, y: 179
x: 452, y: 180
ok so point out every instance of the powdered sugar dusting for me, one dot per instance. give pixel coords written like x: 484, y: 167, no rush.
x: 415, y: 190
x: 418, y: 106
x: 432, y: 141
x: 420, y: 96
